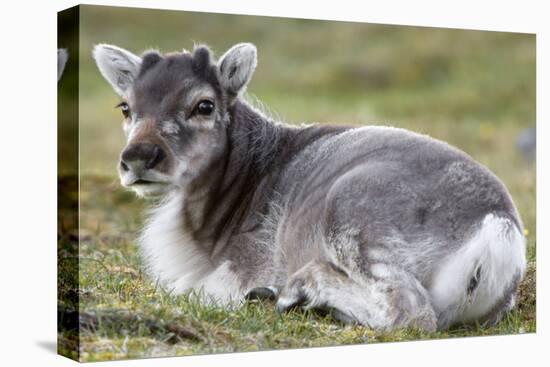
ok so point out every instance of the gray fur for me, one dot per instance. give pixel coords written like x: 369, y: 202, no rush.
x: 62, y: 57
x: 356, y: 220
x: 237, y: 66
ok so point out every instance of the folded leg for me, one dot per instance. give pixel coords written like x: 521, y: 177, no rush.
x: 387, y: 298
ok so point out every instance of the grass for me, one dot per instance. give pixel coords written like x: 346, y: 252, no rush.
x: 132, y: 317
x: 475, y: 90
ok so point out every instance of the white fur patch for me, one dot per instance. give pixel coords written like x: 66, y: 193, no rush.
x: 170, y: 127
x: 380, y: 270
x: 179, y: 263
x: 498, y: 248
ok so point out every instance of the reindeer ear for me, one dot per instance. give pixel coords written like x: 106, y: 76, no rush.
x: 62, y: 57
x: 236, y: 67
x: 118, y: 66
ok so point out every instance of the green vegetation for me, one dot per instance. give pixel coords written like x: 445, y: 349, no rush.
x: 475, y: 90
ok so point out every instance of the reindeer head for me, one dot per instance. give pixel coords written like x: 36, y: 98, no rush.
x: 175, y: 109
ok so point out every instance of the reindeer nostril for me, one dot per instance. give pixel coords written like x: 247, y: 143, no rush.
x: 156, y: 157
x: 124, y: 166
x: 138, y: 157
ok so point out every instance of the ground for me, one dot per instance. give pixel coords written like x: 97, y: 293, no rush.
x: 475, y: 90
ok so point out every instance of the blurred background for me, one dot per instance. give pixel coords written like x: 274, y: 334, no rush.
x: 473, y: 89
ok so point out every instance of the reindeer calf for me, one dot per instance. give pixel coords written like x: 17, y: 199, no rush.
x: 380, y: 226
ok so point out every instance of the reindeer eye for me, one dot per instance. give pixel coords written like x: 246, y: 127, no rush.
x: 124, y: 108
x: 204, y: 108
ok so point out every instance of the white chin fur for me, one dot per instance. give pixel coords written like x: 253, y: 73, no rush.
x: 151, y: 190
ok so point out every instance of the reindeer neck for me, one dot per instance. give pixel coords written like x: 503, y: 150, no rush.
x: 225, y: 193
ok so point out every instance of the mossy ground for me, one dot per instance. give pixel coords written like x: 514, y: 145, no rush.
x: 125, y: 303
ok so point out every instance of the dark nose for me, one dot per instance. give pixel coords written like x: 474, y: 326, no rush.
x: 141, y: 156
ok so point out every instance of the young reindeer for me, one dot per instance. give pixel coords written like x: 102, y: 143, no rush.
x: 378, y: 225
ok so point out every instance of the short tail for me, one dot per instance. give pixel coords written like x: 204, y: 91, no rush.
x: 479, y: 281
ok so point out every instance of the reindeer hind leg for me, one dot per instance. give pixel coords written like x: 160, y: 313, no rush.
x: 393, y: 299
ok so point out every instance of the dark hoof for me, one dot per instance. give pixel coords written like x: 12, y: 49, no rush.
x: 260, y: 293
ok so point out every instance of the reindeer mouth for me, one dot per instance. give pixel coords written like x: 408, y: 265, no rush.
x: 148, y: 188
x: 145, y: 182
